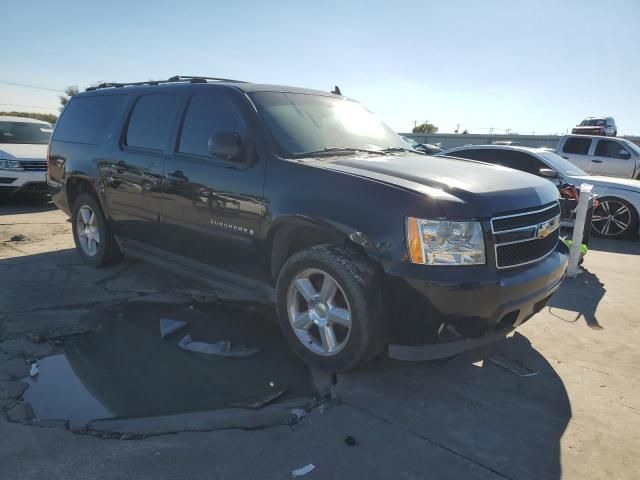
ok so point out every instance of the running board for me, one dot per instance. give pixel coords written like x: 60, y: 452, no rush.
x: 226, y: 285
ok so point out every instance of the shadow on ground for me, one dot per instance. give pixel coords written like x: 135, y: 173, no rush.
x: 509, y: 424
x: 20, y: 204
x: 578, y: 298
x: 628, y: 247
x: 123, y: 368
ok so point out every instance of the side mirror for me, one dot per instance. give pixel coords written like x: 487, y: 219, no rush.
x: 623, y: 153
x: 549, y: 173
x: 227, y: 145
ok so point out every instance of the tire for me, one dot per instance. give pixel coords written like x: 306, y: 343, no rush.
x: 92, y: 234
x: 611, y: 215
x: 353, y: 288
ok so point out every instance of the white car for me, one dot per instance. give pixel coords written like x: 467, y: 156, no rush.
x: 616, y: 215
x: 23, y: 155
x: 613, y: 157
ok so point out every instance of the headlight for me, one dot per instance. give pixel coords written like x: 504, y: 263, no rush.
x: 10, y: 165
x: 441, y: 242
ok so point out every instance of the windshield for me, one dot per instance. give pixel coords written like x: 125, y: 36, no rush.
x: 565, y: 167
x: 25, y: 132
x: 593, y: 122
x: 632, y: 146
x: 412, y: 143
x: 302, y: 123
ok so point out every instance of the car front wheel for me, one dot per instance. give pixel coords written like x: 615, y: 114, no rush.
x: 614, y: 218
x: 329, y: 307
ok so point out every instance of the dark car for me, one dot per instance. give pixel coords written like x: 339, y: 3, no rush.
x: 605, y: 126
x: 305, y: 199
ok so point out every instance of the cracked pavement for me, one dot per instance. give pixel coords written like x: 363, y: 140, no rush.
x: 465, y: 417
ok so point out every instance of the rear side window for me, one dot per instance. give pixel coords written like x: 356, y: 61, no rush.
x: 150, y: 121
x: 507, y: 158
x: 579, y: 146
x: 611, y: 149
x: 470, y: 154
x: 87, y: 119
x: 207, y: 114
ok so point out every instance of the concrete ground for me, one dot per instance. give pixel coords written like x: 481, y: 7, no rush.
x: 570, y: 410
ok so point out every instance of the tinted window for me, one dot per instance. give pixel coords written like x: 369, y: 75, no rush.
x: 25, y: 132
x: 150, y: 121
x: 87, y: 119
x: 207, y: 114
x: 579, y: 146
x: 507, y: 158
x: 609, y: 148
x: 471, y: 154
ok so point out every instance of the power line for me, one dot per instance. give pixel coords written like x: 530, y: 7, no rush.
x: 27, y: 106
x: 15, y: 84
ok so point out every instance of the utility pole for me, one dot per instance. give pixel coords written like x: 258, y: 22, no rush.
x: 457, y: 128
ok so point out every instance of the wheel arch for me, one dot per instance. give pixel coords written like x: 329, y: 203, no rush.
x: 292, y: 233
x: 79, y: 184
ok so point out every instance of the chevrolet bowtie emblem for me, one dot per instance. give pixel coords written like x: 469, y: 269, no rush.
x: 543, y: 230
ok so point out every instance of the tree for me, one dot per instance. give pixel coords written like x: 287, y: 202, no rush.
x: 425, y: 127
x: 68, y: 93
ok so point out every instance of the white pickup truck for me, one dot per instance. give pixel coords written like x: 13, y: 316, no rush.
x: 597, y: 155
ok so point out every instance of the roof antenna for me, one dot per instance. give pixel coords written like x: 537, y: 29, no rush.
x: 336, y: 90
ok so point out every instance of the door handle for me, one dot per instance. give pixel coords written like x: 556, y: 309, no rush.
x: 596, y: 161
x: 566, y: 158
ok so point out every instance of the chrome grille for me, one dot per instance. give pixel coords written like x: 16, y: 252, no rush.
x: 525, y: 237
x: 34, y: 165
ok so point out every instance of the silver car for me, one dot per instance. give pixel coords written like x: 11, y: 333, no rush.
x: 616, y: 215
x: 613, y: 157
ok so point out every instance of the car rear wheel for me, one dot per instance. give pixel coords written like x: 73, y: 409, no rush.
x: 91, y: 233
x: 614, y: 218
x: 329, y: 307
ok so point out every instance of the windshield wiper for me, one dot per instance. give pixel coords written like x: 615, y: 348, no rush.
x: 402, y: 149
x: 337, y: 151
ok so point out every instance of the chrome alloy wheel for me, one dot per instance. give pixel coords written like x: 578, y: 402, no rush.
x: 88, y: 231
x: 611, y: 218
x: 319, y: 312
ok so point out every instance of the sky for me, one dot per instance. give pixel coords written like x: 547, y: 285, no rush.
x: 527, y: 66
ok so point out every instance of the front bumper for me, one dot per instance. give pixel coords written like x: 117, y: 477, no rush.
x: 477, y: 304
x: 16, y: 181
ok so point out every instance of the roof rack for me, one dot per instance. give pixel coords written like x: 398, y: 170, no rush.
x: 174, y: 79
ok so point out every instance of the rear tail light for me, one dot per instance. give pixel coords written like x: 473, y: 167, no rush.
x: 48, y: 159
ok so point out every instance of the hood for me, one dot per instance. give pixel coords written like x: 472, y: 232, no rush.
x: 23, y: 151
x: 609, y: 182
x: 477, y: 189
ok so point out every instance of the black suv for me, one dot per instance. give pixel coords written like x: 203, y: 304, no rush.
x: 305, y: 199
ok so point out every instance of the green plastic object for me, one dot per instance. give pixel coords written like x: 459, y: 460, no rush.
x: 583, y: 247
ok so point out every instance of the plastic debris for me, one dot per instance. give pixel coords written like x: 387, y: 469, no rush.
x: 512, y: 366
x: 299, y: 472
x: 298, y: 414
x: 351, y: 441
x: 168, y: 326
x: 34, y: 370
x: 222, y: 348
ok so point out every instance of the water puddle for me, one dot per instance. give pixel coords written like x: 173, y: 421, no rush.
x: 124, y: 369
